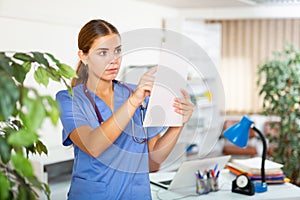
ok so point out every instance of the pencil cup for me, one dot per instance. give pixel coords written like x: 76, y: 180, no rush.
x: 213, y: 184
x: 202, y: 186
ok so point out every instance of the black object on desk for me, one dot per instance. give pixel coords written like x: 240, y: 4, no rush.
x: 242, y: 184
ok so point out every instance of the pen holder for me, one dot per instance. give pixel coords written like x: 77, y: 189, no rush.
x: 202, y: 186
x: 213, y: 184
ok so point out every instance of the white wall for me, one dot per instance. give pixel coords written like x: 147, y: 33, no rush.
x: 53, y: 25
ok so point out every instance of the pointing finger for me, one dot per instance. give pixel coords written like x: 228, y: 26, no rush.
x: 152, y: 70
x: 185, y: 94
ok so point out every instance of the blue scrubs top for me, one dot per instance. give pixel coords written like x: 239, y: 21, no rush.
x: 121, y: 171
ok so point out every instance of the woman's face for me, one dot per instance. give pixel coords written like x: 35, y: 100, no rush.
x: 104, y: 57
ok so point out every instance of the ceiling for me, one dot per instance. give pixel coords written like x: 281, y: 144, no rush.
x: 220, y: 3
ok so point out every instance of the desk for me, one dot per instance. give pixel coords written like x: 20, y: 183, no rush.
x: 285, y: 191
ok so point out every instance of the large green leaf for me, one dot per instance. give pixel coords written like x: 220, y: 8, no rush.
x: 35, y: 113
x: 66, y: 71
x: 53, y: 74
x: 5, y: 64
x: 39, y: 57
x: 41, y: 148
x: 22, y: 195
x: 41, y: 76
x: 19, y: 72
x: 9, y: 94
x: 4, y: 150
x: 35, y: 182
x: 53, y: 111
x: 4, y: 187
x: 24, y: 57
x: 25, y: 194
x: 30, y: 149
x: 22, y: 165
x: 53, y: 59
x: 70, y: 90
x: 47, y: 190
x: 26, y: 66
x: 22, y: 138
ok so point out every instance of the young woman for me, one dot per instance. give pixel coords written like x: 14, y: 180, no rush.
x: 103, y: 121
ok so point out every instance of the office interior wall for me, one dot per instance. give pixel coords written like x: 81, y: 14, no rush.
x: 52, y: 26
x: 245, y: 45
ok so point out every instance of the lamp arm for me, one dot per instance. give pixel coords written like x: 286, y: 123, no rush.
x: 264, y: 153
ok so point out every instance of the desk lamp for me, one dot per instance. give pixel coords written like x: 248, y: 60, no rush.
x: 238, y: 134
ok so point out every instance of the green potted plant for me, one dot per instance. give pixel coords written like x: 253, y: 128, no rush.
x: 279, y: 81
x: 22, y: 112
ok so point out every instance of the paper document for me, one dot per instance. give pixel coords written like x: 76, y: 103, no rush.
x: 170, y: 77
x: 253, y: 166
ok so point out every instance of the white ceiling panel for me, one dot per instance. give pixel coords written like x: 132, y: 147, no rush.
x: 220, y: 3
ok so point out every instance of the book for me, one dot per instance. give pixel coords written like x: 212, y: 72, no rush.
x: 270, y: 179
x: 253, y: 166
x: 254, y: 172
x: 236, y: 171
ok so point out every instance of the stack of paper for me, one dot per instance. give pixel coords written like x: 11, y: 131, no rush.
x: 252, y: 167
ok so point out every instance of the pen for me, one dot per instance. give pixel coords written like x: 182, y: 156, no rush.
x: 217, y: 176
x: 212, y: 174
x: 200, y: 176
x: 216, y: 167
x: 208, y: 174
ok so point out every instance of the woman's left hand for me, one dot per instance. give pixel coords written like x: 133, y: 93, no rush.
x: 184, y: 106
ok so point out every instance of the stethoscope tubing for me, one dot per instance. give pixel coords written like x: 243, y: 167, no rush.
x: 99, y: 116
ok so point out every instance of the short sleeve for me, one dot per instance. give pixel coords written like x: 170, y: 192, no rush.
x: 71, y: 116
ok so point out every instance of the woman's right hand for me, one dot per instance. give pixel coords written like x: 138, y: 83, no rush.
x: 144, y: 87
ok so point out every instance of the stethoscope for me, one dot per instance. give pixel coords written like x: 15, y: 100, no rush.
x: 99, y: 116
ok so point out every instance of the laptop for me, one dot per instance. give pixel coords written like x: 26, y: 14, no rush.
x: 185, y: 176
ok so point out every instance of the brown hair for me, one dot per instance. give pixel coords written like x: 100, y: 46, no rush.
x: 86, y: 37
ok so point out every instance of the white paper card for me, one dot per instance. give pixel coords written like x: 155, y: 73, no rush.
x: 170, y: 77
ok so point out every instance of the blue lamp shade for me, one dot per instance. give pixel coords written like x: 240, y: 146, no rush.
x: 238, y: 134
